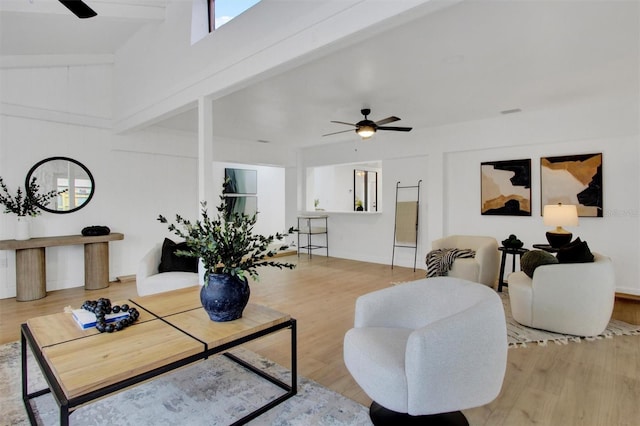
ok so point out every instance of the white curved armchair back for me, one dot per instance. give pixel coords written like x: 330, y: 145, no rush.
x: 150, y: 281
x: 486, y: 259
x: 579, y: 295
x: 434, y: 345
x: 414, y: 304
x: 148, y: 265
x: 573, y: 298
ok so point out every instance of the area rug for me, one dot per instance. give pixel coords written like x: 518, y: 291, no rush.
x: 520, y: 336
x: 216, y: 391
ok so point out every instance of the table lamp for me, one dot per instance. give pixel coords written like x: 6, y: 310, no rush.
x: 560, y: 215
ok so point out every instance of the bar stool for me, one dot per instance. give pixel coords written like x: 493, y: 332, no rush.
x: 305, y: 227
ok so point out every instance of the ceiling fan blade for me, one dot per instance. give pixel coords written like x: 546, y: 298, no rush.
x: 387, y: 120
x: 335, y: 133
x: 397, y: 129
x: 79, y: 8
x: 342, y: 122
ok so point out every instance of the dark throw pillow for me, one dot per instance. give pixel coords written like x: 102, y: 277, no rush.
x: 534, y: 258
x: 576, y: 251
x: 171, y: 262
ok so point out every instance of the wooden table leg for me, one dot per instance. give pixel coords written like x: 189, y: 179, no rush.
x: 31, y: 275
x: 96, y: 265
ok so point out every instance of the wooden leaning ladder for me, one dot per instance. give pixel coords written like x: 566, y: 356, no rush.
x: 405, y: 230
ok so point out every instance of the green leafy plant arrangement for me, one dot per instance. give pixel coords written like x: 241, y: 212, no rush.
x: 23, y: 204
x: 226, y: 243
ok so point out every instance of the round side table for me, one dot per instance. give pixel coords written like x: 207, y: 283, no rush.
x: 513, y: 252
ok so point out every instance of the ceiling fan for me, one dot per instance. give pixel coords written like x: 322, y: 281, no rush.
x: 79, y: 8
x: 367, y: 128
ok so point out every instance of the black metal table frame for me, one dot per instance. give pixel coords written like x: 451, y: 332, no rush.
x: 68, y: 405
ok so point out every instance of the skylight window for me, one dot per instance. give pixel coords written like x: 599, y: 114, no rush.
x: 208, y: 15
x: 223, y: 11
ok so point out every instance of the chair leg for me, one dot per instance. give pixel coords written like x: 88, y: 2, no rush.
x: 381, y: 416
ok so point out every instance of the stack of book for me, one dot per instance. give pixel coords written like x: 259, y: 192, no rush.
x: 86, y: 319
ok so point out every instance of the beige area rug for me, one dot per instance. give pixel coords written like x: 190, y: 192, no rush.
x: 211, y: 392
x: 519, y: 335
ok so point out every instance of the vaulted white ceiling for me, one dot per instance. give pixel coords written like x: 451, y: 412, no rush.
x: 46, y: 27
x: 466, y: 62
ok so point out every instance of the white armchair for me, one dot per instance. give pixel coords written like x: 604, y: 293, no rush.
x: 571, y: 298
x: 432, y: 346
x: 150, y: 281
x: 483, y: 268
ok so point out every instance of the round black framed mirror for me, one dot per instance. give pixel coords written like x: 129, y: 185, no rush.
x: 62, y: 174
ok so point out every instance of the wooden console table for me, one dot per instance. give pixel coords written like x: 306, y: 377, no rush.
x: 31, y: 276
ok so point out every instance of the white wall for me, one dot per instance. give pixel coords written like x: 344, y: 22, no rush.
x: 369, y: 236
x: 448, y: 159
x: 66, y: 112
x: 131, y: 189
x: 271, y: 196
x: 333, y: 188
x: 610, y: 234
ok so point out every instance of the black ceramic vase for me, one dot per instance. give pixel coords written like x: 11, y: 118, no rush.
x: 224, y: 297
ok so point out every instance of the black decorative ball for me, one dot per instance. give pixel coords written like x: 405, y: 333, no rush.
x: 102, y: 307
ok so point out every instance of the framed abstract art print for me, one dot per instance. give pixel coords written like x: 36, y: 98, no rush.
x: 573, y: 179
x: 506, y: 188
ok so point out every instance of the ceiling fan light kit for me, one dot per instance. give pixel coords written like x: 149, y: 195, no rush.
x: 367, y: 128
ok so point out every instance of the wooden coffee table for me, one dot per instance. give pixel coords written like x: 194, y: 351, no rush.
x: 173, y: 330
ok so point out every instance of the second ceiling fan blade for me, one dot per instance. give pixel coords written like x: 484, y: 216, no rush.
x: 387, y: 120
x: 79, y: 8
x: 342, y: 122
x: 397, y: 129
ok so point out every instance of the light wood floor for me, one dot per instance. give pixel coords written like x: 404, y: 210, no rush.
x: 588, y: 383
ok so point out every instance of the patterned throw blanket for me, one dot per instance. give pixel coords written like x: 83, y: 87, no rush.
x: 440, y: 261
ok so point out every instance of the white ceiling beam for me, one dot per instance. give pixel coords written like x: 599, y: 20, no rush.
x: 46, y: 61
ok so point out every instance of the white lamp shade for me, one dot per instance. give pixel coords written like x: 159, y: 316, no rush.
x: 560, y: 215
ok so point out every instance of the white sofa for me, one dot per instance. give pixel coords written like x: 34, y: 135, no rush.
x: 483, y: 268
x: 435, y: 345
x: 149, y: 281
x: 571, y: 298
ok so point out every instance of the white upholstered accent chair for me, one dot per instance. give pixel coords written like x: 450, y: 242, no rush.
x: 150, y: 281
x: 571, y: 298
x: 483, y: 268
x: 430, y: 347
